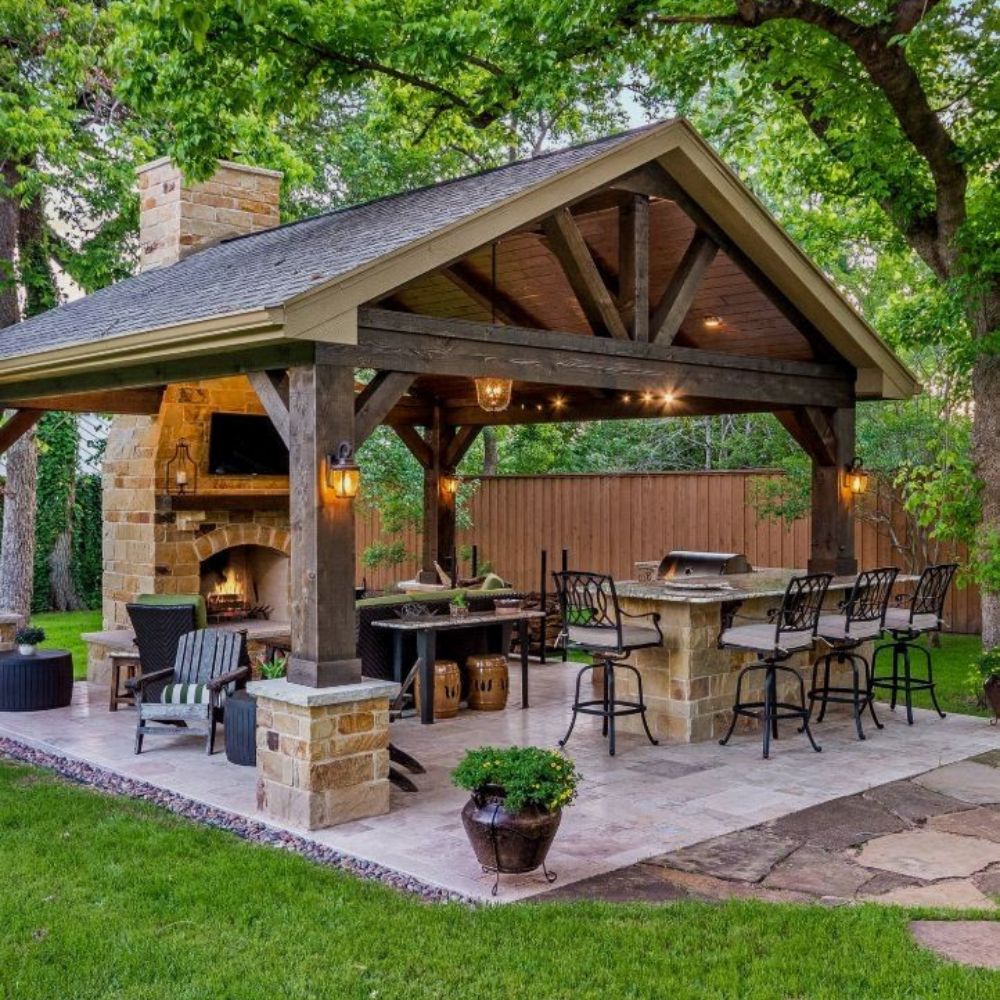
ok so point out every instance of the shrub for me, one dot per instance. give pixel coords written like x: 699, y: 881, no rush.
x: 29, y: 636
x: 275, y: 667
x: 527, y: 776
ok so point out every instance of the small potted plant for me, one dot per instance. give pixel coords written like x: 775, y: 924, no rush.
x: 986, y: 680
x: 27, y: 639
x: 459, y: 606
x: 274, y: 668
x: 518, y: 794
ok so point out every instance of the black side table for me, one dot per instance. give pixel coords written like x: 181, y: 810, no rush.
x: 240, y: 721
x: 35, y: 683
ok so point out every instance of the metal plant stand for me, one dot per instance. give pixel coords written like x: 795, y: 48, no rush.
x: 497, y: 868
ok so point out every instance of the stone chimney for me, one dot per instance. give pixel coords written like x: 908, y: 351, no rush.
x: 177, y: 218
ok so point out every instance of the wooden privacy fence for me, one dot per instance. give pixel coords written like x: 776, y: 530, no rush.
x: 608, y: 522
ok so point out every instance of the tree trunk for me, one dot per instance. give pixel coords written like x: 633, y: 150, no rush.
x: 17, y: 542
x: 64, y: 595
x: 490, y: 456
x: 985, y: 318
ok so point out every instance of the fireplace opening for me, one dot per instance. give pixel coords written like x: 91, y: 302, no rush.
x: 246, y: 582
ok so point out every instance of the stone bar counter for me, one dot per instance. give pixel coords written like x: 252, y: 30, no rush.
x: 689, y: 683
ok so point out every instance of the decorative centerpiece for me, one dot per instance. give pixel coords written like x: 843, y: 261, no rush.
x: 518, y: 794
x: 507, y: 605
x: 986, y: 680
x: 459, y: 606
x: 27, y: 640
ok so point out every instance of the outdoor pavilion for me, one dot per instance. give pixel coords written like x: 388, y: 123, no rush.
x: 636, y: 276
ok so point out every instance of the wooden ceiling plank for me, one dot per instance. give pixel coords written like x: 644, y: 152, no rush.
x: 463, y: 277
x: 570, y: 249
x: 679, y: 294
x: 374, y: 403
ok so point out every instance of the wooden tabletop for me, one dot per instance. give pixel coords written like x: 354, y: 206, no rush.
x: 441, y: 622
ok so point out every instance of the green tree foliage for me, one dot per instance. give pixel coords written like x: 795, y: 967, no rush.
x: 58, y: 442
x: 87, y: 555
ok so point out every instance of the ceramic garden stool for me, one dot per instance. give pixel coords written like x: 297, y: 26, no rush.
x: 488, y: 682
x: 447, y: 689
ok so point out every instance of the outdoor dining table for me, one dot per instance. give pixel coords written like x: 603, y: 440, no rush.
x: 426, y: 628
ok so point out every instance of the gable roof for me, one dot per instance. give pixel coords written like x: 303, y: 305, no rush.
x: 301, y: 280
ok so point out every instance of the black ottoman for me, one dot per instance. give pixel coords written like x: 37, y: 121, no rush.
x: 35, y: 683
x: 240, y: 721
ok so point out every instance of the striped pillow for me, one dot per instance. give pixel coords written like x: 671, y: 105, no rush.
x: 187, y: 694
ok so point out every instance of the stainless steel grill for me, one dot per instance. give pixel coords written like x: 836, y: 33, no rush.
x: 681, y: 564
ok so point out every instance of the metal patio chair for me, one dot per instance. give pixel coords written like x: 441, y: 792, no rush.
x: 594, y: 623
x: 920, y: 614
x: 792, y: 629
x: 206, y: 669
x: 861, y: 620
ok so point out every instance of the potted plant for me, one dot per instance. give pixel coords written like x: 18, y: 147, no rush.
x: 274, y: 668
x: 986, y: 680
x: 518, y: 794
x: 27, y: 639
x: 459, y: 606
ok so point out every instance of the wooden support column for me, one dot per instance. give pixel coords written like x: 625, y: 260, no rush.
x: 321, y: 416
x: 439, y: 504
x: 827, y: 436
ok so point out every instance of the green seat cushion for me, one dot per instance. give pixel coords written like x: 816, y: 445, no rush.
x: 186, y: 694
x: 173, y: 600
x: 425, y: 597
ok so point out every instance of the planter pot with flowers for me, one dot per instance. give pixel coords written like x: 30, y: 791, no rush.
x: 518, y: 794
x: 27, y: 640
x: 459, y: 605
x: 986, y: 680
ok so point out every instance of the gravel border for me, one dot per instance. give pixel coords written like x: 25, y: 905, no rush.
x: 252, y: 830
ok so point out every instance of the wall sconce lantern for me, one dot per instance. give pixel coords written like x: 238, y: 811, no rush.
x: 855, y: 478
x: 493, y: 394
x: 180, y: 474
x: 450, y: 484
x: 342, y: 473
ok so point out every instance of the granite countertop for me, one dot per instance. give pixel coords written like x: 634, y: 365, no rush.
x: 716, y: 589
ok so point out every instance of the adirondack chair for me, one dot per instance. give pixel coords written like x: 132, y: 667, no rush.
x: 193, y: 691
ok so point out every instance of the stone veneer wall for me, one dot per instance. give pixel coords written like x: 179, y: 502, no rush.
x: 148, y: 546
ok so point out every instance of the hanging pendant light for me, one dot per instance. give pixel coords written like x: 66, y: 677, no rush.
x: 492, y: 392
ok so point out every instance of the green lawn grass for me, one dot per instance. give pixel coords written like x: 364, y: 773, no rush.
x: 62, y: 631
x: 108, y: 898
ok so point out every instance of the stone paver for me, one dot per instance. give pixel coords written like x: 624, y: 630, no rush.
x: 965, y: 780
x: 838, y: 824
x: 969, y: 942
x: 990, y: 758
x: 952, y: 894
x: 882, y: 882
x: 745, y: 856
x: 929, y: 854
x: 912, y: 802
x: 818, y: 872
x: 989, y: 881
x: 983, y: 822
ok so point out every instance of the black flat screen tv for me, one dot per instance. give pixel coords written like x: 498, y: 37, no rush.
x: 245, y: 445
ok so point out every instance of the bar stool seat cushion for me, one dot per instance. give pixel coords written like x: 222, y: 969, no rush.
x: 899, y: 618
x: 761, y: 638
x: 836, y: 627
x: 633, y: 637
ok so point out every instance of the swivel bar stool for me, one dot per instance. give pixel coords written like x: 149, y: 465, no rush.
x: 920, y: 614
x: 791, y: 629
x: 593, y: 622
x: 862, y: 619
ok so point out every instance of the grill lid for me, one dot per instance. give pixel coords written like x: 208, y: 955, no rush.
x: 680, y: 563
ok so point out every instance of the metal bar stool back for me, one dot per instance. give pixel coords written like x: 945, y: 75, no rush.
x: 921, y: 613
x: 862, y: 619
x: 791, y: 629
x: 594, y: 623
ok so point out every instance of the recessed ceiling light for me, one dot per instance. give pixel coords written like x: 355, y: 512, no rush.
x: 668, y: 397
x: 626, y: 399
x: 712, y: 322
x: 647, y: 397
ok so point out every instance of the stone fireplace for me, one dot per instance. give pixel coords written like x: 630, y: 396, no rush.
x: 245, y: 581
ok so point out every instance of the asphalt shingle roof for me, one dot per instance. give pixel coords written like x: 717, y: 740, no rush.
x: 268, y: 268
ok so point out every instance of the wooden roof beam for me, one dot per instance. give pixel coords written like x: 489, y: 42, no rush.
x: 143, y: 402
x: 677, y: 297
x: 571, y: 250
x: 272, y: 391
x: 507, y: 309
x: 16, y: 426
x: 374, y: 403
x: 812, y: 429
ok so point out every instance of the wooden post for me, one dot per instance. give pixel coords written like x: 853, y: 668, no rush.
x: 827, y: 436
x: 439, y: 503
x: 321, y: 416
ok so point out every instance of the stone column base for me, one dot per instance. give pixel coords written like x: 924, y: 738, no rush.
x: 322, y: 753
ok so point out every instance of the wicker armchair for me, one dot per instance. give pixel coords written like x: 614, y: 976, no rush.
x: 193, y: 691
x: 158, y: 630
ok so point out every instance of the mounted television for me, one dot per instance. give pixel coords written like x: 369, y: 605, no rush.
x: 245, y: 445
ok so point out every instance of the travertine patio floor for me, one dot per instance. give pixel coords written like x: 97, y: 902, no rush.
x: 645, y: 802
